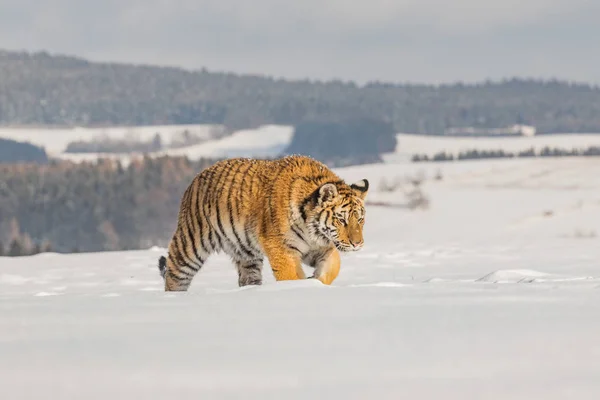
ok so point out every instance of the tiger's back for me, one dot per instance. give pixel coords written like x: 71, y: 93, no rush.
x: 249, y: 208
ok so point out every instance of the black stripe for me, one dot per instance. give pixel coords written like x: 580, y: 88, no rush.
x: 319, y: 258
x: 198, y: 205
x: 178, y: 266
x: 211, y: 239
x: 203, y: 202
x: 299, y: 234
x: 252, y: 268
x: 206, y: 248
x: 310, y: 199
x: 178, y: 278
x: 230, y: 210
x: 179, y: 261
x: 294, y: 248
x: 194, y: 245
x: 177, y: 256
x: 254, y: 265
x: 240, y: 199
x: 185, y: 228
x: 181, y: 242
x: 194, y: 227
x: 208, y: 199
x: 315, y: 179
x: 183, y: 262
x: 219, y: 231
x: 191, y: 222
x: 271, y: 194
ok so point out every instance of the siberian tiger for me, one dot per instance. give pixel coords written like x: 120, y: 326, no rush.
x: 292, y: 210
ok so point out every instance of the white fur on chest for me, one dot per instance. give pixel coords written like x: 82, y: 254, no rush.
x: 300, y: 239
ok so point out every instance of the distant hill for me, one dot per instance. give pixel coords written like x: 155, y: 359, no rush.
x: 354, y: 141
x: 17, y: 152
x: 39, y: 88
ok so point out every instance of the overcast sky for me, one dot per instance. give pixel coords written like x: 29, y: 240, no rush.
x: 428, y: 41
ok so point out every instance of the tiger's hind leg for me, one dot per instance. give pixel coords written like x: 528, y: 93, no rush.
x: 179, y: 276
x: 249, y: 272
x: 185, y: 259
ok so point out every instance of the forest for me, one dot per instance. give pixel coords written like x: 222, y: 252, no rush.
x: 12, y: 151
x: 71, y: 207
x: 44, y: 89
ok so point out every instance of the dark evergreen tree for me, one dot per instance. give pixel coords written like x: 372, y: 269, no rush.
x: 16, y: 248
x: 41, y: 89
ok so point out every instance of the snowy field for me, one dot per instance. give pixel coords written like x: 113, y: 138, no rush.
x: 56, y: 140
x: 410, y: 144
x: 272, y: 140
x: 491, y: 293
x: 265, y: 141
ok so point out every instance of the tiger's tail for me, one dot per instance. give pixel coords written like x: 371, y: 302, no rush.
x: 162, y: 266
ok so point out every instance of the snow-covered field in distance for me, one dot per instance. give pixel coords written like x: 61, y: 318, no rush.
x: 55, y: 140
x: 265, y: 141
x: 410, y: 144
x: 491, y: 293
x: 271, y: 140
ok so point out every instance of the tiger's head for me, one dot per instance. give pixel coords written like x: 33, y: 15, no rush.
x: 338, y: 214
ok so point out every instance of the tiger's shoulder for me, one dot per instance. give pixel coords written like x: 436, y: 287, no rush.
x: 264, y: 176
x: 294, y: 166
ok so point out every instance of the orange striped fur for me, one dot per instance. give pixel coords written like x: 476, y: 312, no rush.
x: 292, y: 210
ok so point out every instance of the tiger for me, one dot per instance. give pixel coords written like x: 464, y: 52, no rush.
x: 291, y: 210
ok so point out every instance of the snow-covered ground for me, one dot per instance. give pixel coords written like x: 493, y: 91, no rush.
x: 409, y: 144
x: 265, y: 141
x: 491, y: 293
x: 271, y: 140
x: 56, y: 140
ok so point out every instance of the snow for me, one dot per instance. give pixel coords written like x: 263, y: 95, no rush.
x: 264, y: 141
x: 55, y: 140
x: 271, y: 141
x: 410, y: 144
x: 488, y: 294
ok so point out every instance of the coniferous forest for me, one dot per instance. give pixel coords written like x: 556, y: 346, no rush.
x: 39, y: 88
x: 70, y: 207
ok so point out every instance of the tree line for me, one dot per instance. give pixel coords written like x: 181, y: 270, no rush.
x: 39, y: 88
x: 474, y: 154
x: 69, y: 207
x: 12, y: 151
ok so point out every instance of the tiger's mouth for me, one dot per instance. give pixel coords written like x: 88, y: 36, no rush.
x: 347, y: 247
x: 331, y: 237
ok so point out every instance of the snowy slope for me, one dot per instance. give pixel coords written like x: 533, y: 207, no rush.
x: 265, y: 141
x: 55, y: 140
x: 409, y: 144
x: 485, y: 295
x: 271, y: 140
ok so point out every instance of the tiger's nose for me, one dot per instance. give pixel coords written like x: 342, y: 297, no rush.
x: 356, y: 243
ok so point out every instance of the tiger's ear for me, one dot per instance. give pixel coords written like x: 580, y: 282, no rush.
x: 361, y: 188
x: 326, y: 193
